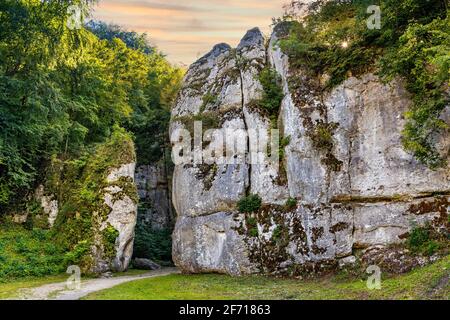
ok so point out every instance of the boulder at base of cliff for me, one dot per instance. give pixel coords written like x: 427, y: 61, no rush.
x: 145, y: 264
x: 97, y: 205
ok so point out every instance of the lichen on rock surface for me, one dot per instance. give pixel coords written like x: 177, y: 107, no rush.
x: 353, y: 185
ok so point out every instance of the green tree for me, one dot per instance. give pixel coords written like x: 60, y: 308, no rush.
x: 62, y: 91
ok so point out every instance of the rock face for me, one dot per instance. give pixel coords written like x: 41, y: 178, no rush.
x: 360, y: 190
x: 48, y: 204
x: 155, y: 207
x: 91, y: 205
x: 302, y: 8
x: 122, y: 217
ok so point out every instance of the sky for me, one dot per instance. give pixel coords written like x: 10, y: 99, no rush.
x: 186, y: 30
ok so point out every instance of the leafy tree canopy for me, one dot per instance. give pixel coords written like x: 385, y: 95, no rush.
x: 62, y: 90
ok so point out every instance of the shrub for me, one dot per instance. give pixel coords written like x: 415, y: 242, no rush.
x: 153, y: 244
x: 272, y: 90
x: 29, y: 253
x: 78, y: 252
x: 250, y: 203
x: 253, y: 232
x: 277, y: 233
x: 110, y: 235
x: 413, y: 43
x: 418, y: 237
x: 251, y: 222
x: 424, y: 240
x: 290, y: 204
x: 431, y: 247
x: 252, y: 226
x: 4, y: 193
x: 422, y: 59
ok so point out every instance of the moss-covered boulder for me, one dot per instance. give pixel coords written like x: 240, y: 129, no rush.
x: 97, y: 201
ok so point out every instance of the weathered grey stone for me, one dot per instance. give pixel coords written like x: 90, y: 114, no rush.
x: 364, y: 192
x: 48, y: 203
x: 145, y: 264
x: 347, y: 261
x: 210, y: 244
x: 205, y: 189
x: 264, y: 173
x: 394, y: 259
x: 253, y: 38
x: 122, y: 217
x: 213, y: 74
x: 155, y: 208
x: 126, y: 170
x: 368, y: 141
x: 388, y: 223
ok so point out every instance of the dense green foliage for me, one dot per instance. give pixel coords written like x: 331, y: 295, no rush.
x: 76, y: 224
x: 25, y: 253
x: 79, y: 187
x: 413, y: 42
x: 291, y: 203
x: 152, y: 244
x: 72, y: 100
x: 425, y: 240
x: 423, y: 59
x: 272, y: 94
x: 109, y: 32
x: 62, y: 91
x: 250, y: 203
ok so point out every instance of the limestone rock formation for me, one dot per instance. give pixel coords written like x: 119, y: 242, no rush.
x: 155, y: 207
x: 91, y: 204
x: 122, y: 217
x: 302, y: 8
x: 49, y: 205
x: 361, y: 190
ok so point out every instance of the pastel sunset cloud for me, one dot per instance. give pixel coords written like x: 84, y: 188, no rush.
x: 186, y: 30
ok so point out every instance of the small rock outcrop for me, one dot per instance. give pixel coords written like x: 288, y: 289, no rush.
x: 357, y: 190
x: 48, y: 204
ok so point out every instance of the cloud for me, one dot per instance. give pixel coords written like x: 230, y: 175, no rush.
x: 186, y: 30
x: 153, y: 5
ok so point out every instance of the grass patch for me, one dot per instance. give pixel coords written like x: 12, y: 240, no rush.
x: 272, y: 90
x: 29, y: 253
x: 11, y: 289
x: 425, y: 240
x: 250, y: 203
x: 417, y: 284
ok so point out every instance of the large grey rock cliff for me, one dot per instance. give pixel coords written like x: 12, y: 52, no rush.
x: 361, y: 191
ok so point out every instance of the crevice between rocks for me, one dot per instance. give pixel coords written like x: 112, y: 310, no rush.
x: 249, y: 162
x: 384, y: 199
